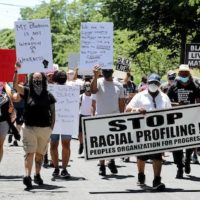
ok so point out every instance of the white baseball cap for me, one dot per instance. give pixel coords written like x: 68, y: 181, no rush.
x: 184, y: 67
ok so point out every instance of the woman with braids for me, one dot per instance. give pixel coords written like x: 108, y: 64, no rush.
x: 39, y: 119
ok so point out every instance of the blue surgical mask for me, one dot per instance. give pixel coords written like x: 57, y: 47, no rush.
x: 184, y: 79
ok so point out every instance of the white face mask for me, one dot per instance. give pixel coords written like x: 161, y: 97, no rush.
x: 153, y: 88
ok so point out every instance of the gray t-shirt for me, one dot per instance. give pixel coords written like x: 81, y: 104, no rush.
x: 108, y: 95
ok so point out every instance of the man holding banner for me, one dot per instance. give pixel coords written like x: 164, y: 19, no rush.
x: 184, y: 91
x: 147, y: 100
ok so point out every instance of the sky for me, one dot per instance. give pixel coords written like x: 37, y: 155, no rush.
x: 10, y: 10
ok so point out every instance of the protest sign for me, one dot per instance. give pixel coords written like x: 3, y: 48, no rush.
x: 96, y: 46
x: 122, y: 67
x: 119, y: 135
x: 192, y: 55
x: 67, y: 108
x: 7, y: 65
x: 33, y: 45
x: 74, y: 60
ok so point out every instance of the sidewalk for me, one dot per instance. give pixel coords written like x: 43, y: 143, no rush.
x: 86, y: 184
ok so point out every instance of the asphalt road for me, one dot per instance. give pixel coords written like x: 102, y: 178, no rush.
x: 86, y: 184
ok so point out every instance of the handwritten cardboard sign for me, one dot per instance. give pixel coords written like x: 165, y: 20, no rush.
x: 96, y: 46
x: 67, y: 108
x: 33, y: 45
x: 73, y: 60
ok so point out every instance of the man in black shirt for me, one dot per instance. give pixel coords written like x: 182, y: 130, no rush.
x: 183, y: 91
x: 39, y: 119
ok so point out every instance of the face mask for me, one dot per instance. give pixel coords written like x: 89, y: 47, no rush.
x: 153, y: 88
x: 37, y: 86
x: 184, y: 79
x: 70, y: 77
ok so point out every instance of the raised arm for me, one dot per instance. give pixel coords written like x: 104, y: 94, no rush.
x: 93, y: 86
x: 19, y: 88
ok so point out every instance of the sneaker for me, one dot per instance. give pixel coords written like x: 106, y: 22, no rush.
x: 64, y: 173
x: 27, y: 181
x: 179, y: 173
x: 187, y: 168
x: 157, y: 185
x: 56, y: 172
x: 102, y: 170
x: 80, y: 150
x: 15, y: 143
x: 141, y: 179
x: 112, y: 167
x: 38, y: 180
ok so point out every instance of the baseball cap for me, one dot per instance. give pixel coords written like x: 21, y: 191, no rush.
x: 171, y: 74
x: 184, y: 67
x: 154, y: 77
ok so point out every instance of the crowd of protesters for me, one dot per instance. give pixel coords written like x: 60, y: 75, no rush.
x: 100, y: 94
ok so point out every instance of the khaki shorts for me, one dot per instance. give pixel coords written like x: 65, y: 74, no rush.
x: 36, y: 139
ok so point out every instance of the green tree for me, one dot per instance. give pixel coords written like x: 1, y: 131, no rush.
x: 164, y: 23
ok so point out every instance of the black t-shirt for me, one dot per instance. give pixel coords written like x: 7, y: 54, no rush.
x: 184, y: 94
x: 37, y: 108
x: 4, y: 106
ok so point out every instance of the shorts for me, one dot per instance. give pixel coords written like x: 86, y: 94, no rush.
x: 56, y: 137
x: 36, y: 139
x: 80, y: 122
x: 4, y: 128
x: 157, y: 156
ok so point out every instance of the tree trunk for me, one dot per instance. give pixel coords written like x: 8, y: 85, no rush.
x: 183, y: 35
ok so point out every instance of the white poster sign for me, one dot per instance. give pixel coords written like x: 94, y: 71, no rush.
x: 96, y: 46
x: 136, y: 134
x: 33, y: 45
x: 74, y: 60
x: 67, y: 108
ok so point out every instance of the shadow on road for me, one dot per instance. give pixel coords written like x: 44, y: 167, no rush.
x: 45, y: 187
x: 71, y: 178
x: 167, y: 190
x: 11, y: 178
x: 108, y: 177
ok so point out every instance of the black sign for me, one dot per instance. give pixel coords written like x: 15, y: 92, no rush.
x: 192, y: 55
x: 123, y: 64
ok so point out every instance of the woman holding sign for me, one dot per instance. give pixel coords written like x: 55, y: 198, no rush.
x: 39, y: 119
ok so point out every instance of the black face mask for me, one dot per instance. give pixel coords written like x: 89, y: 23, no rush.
x: 107, y: 74
x: 37, y: 82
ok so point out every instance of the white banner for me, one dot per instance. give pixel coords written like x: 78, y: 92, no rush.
x: 33, y: 45
x: 136, y: 134
x: 96, y: 46
x: 67, y: 108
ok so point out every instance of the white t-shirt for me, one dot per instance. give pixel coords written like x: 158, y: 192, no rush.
x: 108, y: 95
x: 85, y: 104
x: 145, y: 100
